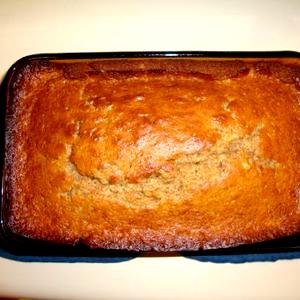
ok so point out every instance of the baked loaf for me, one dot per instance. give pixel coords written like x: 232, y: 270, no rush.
x: 154, y: 154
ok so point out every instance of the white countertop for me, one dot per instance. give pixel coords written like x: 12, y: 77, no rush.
x: 28, y: 27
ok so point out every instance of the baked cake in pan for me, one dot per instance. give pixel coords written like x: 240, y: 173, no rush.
x: 154, y: 153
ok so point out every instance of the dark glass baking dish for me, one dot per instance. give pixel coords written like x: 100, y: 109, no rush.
x: 22, y: 246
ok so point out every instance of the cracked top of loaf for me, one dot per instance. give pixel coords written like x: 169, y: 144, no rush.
x: 154, y: 154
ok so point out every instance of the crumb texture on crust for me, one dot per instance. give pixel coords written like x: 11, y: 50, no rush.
x: 154, y: 154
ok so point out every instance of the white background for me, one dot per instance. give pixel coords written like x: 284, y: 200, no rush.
x: 28, y: 27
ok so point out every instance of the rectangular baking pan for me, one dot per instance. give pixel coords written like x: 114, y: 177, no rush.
x: 22, y: 246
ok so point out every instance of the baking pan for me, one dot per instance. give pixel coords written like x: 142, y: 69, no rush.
x: 22, y: 246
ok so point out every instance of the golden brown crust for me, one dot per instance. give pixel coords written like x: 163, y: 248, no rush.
x: 162, y: 154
